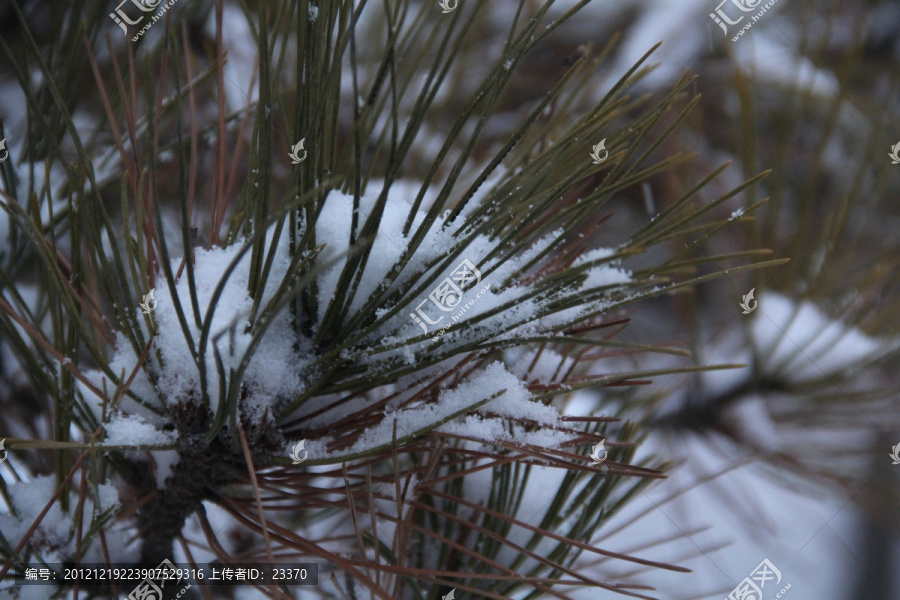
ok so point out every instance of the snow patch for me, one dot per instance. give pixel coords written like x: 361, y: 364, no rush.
x: 123, y: 430
x: 801, y: 343
x: 54, y: 533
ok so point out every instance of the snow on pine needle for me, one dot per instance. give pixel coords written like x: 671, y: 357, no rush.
x: 284, y: 364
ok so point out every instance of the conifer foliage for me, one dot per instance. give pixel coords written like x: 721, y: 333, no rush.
x: 295, y: 282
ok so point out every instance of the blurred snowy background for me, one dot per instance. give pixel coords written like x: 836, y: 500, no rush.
x: 809, y: 91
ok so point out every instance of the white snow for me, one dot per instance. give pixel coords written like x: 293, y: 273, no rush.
x: 738, y: 519
x: 602, y: 275
x: 53, y: 534
x: 280, y: 366
x: 165, y: 460
x: 29, y: 500
x: 798, y: 529
x: 274, y: 370
x: 801, y: 343
x: 132, y: 430
x: 514, y: 402
x: 389, y: 490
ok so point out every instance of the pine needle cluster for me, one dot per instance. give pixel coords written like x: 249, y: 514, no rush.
x: 283, y: 293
